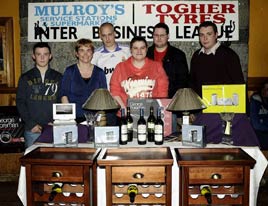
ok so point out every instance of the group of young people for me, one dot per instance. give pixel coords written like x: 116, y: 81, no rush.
x: 137, y: 71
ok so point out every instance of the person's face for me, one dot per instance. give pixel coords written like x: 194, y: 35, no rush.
x: 84, y: 54
x: 41, y: 57
x: 207, y: 37
x: 107, y: 36
x: 138, y: 50
x: 160, y: 37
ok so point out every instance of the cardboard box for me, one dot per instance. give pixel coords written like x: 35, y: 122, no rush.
x: 193, y: 135
x: 106, y: 136
x: 136, y: 104
x: 65, y: 135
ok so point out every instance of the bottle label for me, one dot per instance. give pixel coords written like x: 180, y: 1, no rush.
x: 130, y: 126
x: 124, y: 133
x: 142, y: 129
x: 150, y: 125
x: 123, y: 129
x: 158, y: 129
x: 124, y: 137
x: 142, y: 132
x: 158, y: 137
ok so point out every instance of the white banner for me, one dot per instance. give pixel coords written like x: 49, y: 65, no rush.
x: 69, y: 21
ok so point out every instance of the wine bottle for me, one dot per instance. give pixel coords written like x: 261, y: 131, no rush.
x: 56, y: 188
x: 150, y: 125
x: 141, y: 128
x: 129, y: 126
x: 206, y: 191
x: 159, y: 129
x: 123, y: 128
x: 132, y: 191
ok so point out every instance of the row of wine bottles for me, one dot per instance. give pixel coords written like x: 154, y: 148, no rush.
x: 151, y: 130
x: 132, y: 191
x: 205, y: 190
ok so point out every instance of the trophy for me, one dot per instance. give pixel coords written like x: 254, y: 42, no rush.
x: 227, y: 118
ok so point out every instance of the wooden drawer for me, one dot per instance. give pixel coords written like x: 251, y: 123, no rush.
x: 138, y: 174
x: 67, y: 173
x: 214, y: 175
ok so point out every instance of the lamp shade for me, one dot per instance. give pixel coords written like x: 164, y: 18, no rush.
x: 100, y: 99
x: 186, y: 99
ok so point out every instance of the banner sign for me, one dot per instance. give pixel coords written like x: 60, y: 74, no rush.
x: 70, y: 21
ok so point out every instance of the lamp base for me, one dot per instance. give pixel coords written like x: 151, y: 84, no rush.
x: 102, y: 120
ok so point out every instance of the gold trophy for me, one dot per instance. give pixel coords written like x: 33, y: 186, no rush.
x: 227, y: 118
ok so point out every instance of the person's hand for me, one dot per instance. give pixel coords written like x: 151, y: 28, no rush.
x: 36, y: 129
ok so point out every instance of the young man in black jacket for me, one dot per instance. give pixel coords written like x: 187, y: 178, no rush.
x: 38, y: 89
x: 173, y: 59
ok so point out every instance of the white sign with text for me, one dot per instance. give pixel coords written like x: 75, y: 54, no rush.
x: 70, y: 21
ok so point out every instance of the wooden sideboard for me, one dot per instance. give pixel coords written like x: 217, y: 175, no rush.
x: 148, y: 168
x: 225, y: 171
x: 75, y: 168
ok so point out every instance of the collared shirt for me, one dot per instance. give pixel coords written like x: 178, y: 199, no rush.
x: 104, y: 50
x: 212, y: 50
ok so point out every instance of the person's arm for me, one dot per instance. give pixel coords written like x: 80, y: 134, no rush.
x: 181, y: 70
x: 59, y: 89
x: 234, y: 68
x: 161, y: 82
x: 258, y: 121
x: 65, y: 86
x: 103, y: 81
x: 21, y: 103
x: 120, y: 101
x: 115, y: 87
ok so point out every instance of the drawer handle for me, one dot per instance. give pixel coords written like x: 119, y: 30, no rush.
x: 216, y: 176
x: 138, y: 175
x: 56, y: 174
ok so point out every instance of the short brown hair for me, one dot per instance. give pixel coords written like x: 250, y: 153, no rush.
x: 84, y: 42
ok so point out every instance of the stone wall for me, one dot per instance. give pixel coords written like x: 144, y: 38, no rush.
x: 63, y: 53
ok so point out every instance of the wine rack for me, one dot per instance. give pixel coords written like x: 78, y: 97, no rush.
x: 146, y: 193
x: 147, y: 168
x: 225, y: 170
x: 75, y: 168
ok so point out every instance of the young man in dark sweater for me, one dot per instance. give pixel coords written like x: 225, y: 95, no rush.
x: 214, y: 63
x: 38, y: 89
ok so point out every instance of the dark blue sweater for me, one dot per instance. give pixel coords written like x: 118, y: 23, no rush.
x: 34, y: 98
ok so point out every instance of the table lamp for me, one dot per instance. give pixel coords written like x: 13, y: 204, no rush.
x: 186, y: 100
x: 101, y: 100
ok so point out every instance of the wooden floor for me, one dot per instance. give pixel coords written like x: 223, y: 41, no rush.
x: 8, y: 194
